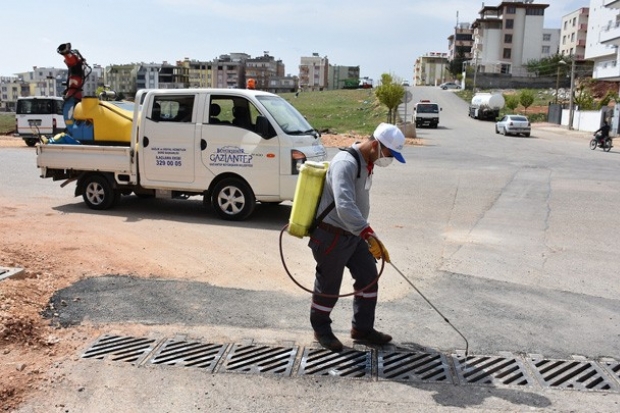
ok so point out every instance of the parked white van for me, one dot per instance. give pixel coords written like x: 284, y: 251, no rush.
x: 38, y: 115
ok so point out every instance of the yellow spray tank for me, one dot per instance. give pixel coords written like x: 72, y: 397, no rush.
x: 110, y: 123
x: 307, y: 196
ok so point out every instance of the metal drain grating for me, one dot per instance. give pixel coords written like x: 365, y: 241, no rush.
x: 491, y: 370
x: 570, y: 374
x: 347, y: 363
x: 613, y: 367
x: 260, y: 359
x: 118, y: 348
x: 189, y: 354
x: 413, y: 366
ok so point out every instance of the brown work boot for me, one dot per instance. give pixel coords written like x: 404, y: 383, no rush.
x: 328, y: 341
x: 371, y: 337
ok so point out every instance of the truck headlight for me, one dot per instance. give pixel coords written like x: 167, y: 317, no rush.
x: 297, y: 159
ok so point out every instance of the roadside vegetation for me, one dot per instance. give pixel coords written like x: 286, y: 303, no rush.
x: 7, y: 123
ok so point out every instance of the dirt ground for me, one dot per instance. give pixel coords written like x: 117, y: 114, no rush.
x: 30, y: 347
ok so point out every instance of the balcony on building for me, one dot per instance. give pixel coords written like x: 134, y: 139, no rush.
x: 610, y: 34
x: 607, y: 70
x: 612, y: 4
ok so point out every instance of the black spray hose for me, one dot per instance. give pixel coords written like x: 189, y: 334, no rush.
x: 368, y: 286
x: 322, y: 294
x: 434, y: 308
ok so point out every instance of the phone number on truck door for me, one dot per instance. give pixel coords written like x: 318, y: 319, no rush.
x: 168, y: 156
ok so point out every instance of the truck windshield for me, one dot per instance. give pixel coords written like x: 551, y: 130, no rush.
x: 427, y: 108
x: 285, y: 114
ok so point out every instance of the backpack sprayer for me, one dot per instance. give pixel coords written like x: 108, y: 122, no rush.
x: 302, y: 222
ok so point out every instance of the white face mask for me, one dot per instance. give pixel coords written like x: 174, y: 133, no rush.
x: 383, y: 161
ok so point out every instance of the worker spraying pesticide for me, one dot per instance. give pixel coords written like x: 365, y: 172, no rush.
x: 341, y: 236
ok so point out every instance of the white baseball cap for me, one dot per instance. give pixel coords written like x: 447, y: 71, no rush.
x: 392, y: 138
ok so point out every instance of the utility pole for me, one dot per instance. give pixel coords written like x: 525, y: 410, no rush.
x: 571, y: 109
x: 475, y: 70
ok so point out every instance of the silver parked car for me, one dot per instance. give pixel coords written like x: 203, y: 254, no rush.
x: 449, y: 85
x: 514, y: 125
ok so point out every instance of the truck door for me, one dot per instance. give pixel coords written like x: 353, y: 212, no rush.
x: 231, y: 144
x: 168, y: 141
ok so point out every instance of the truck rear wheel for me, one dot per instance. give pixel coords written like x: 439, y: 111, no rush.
x: 98, y: 193
x: 232, y: 199
x: 31, y: 141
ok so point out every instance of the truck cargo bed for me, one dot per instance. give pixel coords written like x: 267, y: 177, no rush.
x: 116, y: 159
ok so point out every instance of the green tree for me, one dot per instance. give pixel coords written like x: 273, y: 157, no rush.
x: 609, y: 96
x: 526, y: 98
x: 512, y: 102
x: 549, y: 66
x: 455, y: 67
x: 390, y: 94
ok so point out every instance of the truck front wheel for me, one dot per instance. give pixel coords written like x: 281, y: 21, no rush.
x: 232, y: 199
x: 98, y: 193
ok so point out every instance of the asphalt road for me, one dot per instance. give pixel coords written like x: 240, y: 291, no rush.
x: 513, y: 239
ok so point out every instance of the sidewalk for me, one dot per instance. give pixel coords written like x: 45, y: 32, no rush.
x: 560, y: 130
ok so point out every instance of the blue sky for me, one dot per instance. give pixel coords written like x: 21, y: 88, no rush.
x: 379, y: 36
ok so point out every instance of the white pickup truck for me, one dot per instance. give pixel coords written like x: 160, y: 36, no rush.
x: 232, y: 146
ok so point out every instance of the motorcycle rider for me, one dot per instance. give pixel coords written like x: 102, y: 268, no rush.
x: 604, y: 132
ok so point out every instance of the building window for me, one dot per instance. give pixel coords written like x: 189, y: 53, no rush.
x: 505, y: 68
x: 572, y: 37
x: 546, y: 49
x: 565, y: 24
x: 510, y: 23
x: 546, y: 37
x: 564, y: 39
x: 508, y: 38
x: 511, y: 10
x: 535, y: 12
x: 507, y: 53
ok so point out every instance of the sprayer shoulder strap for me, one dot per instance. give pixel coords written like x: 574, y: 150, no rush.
x: 331, y: 206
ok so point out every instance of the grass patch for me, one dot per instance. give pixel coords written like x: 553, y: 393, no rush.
x: 7, y: 123
x: 340, y: 111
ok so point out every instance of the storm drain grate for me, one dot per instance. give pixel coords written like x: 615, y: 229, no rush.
x: 347, y: 363
x: 118, y: 348
x: 260, y: 359
x: 491, y: 370
x: 570, y: 374
x: 189, y: 354
x: 613, y: 367
x: 416, y: 366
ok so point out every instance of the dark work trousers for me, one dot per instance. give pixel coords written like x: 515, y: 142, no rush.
x: 332, y: 253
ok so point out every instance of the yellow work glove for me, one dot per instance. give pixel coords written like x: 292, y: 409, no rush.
x: 377, y: 249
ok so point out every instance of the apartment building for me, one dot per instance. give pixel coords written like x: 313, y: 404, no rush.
x: 340, y: 77
x: 264, y: 70
x: 430, y: 69
x: 227, y: 71
x: 574, y: 31
x: 9, y: 92
x: 550, y: 43
x: 461, y: 41
x: 509, y: 35
x: 313, y: 72
x: 603, y: 39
